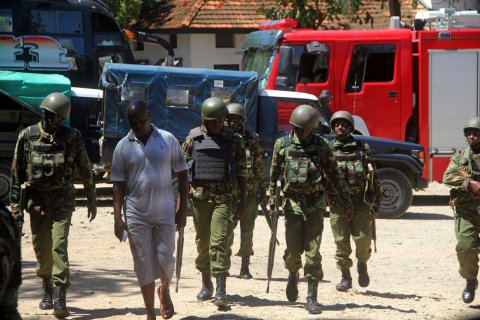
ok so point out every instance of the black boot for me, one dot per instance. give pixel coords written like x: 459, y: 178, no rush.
x: 313, y: 306
x: 292, y: 286
x: 59, y: 303
x: 207, y: 287
x: 47, y: 303
x: 221, y: 295
x: 346, y: 282
x: 244, y: 271
x: 468, y: 293
x: 363, y: 278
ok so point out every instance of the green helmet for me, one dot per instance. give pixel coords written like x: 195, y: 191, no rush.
x: 213, y: 108
x: 238, y: 109
x: 472, y: 123
x: 305, y: 116
x: 57, y: 103
x: 345, y: 115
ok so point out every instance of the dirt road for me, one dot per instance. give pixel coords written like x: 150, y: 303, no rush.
x: 413, y: 274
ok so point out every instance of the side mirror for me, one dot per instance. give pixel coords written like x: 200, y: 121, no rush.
x: 285, y: 58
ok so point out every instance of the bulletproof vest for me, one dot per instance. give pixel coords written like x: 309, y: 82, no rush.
x: 350, y: 160
x: 46, y: 168
x: 211, y: 157
x: 300, y: 173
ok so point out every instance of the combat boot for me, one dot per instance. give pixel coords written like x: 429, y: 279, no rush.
x: 468, y: 293
x: 221, y: 295
x: 59, y: 302
x: 47, y: 301
x: 363, y: 278
x: 292, y: 286
x: 313, y: 306
x: 346, y: 282
x: 207, y: 287
x: 244, y: 271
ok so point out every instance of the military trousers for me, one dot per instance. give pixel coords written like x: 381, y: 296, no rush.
x: 303, y: 234
x: 468, y: 247
x: 359, y: 229
x: 213, y: 220
x: 50, y: 242
x: 247, y: 224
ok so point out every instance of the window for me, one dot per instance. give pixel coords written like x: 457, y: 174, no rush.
x: 370, y: 63
x: 234, y: 67
x: 6, y: 24
x: 107, y: 39
x: 224, y: 40
x: 102, y: 23
x: 61, y: 22
x: 313, y: 67
x: 173, y: 41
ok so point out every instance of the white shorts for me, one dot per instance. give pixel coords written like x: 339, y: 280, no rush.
x: 152, y: 246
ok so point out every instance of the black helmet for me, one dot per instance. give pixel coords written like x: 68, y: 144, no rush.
x: 472, y: 123
x: 305, y: 116
x: 238, y: 109
x: 213, y: 108
x: 345, y: 115
x: 57, y: 103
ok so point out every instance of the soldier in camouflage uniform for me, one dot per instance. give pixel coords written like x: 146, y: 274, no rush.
x: 255, y: 189
x: 10, y: 265
x: 463, y: 176
x: 46, y: 156
x: 302, y: 160
x: 217, y: 173
x: 355, y: 161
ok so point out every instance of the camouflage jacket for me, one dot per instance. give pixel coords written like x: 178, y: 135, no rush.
x: 254, y: 163
x: 354, y: 160
x: 461, y: 169
x: 302, y: 170
x: 218, y: 190
x: 75, y: 158
x: 10, y: 260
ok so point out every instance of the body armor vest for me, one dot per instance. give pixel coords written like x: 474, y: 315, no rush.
x: 351, y: 163
x: 211, y: 157
x: 300, y: 173
x: 46, y: 167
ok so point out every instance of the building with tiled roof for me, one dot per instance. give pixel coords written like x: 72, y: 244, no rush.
x: 209, y: 33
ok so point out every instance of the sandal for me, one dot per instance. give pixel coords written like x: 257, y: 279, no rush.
x: 166, y: 305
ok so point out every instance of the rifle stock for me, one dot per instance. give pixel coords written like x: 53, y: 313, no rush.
x: 273, y: 237
x: 178, y: 262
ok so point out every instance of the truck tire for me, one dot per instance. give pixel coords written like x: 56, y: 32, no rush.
x: 5, y: 173
x: 396, y: 190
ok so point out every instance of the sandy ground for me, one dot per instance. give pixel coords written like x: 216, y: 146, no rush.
x: 413, y: 274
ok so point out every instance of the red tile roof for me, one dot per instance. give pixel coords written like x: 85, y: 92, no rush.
x: 242, y: 14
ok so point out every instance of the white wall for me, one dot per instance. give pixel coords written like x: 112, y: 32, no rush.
x: 196, y: 50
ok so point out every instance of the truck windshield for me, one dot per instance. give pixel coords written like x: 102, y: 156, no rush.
x: 259, y: 60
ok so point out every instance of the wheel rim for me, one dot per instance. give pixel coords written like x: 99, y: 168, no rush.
x: 391, y: 192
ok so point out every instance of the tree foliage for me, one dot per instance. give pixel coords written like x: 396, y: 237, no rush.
x: 311, y: 13
x: 125, y: 11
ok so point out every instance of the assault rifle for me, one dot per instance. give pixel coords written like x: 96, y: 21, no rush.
x: 20, y: 219
x: 268, y: 218
x: 369, y: 186
x: 273, y: 237
x: 178, y: 262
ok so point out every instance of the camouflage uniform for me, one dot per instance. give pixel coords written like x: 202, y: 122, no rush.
x: 214, y: 205
x: 255, y: 190
x: 460, y: 171
x: 47, y: 163
x: 302, y: 169
x: 10, y: 265
x: 353, y: 159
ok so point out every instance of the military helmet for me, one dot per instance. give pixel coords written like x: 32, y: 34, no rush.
x: 472, y: 123
x: 345, y: 115
x: 238, y: 109
x: 57, y: 103
x: 305, y: 116
x: 213, y: 108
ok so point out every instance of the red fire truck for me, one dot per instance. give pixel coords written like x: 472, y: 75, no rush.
x: 410, y: 85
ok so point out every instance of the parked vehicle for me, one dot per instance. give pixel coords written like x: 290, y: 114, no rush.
x: 406, y: 85
x: 174, y: 97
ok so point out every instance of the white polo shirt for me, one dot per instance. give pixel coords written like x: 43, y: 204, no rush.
x: 147, y: 171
